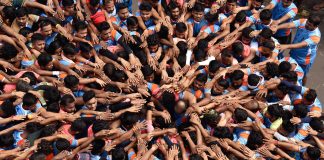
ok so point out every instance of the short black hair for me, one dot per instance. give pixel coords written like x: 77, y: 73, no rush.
x: 43, y: 59
x: 85, y: 47
x: 300, y: 110
x: 284, y: 67
x: 211, y: 17
x: 88, y: 95
x: 272, y: 69
x: 237, y: 75
x: 153, y: 40
x: 253, y: 79
x: 290, y: 76
x: 52, y: 94
x: 313, y: 153
x: 266, y: 33
x: 62, y: 144
x: 145, y: 6
x: 131, y: 21
x: 181, y: 27
x: 25, y: 31
x: 67, y: 3
x: 119, y: 154
x: 202, y: 77
x: 268, y: 44
x: 240, y: 115
x: 199, y: 55
x: 223, y: 132
x: 67, y: 99
x: 6, y: 140
x: 8, y: 51
x: 78, y: 125
x: 314, y: 19
x: 265, y: 14
x: 29, y: 99
x: 311, y: 95
x: 288, y: 126
x: 237, y: 47
x: 80, y: 25
x: 37, y: 156
x: 97, y: 146
x: 94, y: 2
x: 103, y: 26
x: 198, y: 8
x: 37, y: 37
x: 195, y: 157
x: 246, y: 32
x: 69, y: 49
x: 214, y: 66
x: 21, y: 12
x: 255, y: 140
x: 121, y: 6
x: 71, y: 81
x: 147, y: 70
x: 7, y: 108
x: 275, y: 110
x: 317, y: 124
x: 240, y: 17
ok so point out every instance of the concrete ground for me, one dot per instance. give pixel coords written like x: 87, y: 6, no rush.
x: 316, y: 75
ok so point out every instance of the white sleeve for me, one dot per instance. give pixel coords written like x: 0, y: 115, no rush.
x: 188, y: 57
x: 206, y: 62
x: 280, y: 137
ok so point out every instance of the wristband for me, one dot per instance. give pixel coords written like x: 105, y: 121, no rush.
x: 56, y: 73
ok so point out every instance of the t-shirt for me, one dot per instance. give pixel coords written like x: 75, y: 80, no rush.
x: 279, y: 11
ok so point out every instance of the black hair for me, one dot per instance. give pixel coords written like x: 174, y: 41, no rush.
x: 231, y: 1
x: 37, y: 37
x: 109, y: 69
x: 119, y: 154
x: 147, y: 70
x: 240, y: 17
x: 32, y: 127
x: 103, y: 26
x: 44, y: 23
x: 272, y: 69
x: 45, y: 147
x: 168, y: 99
x: 173, y: 5
x: 223, y: 82
x: 6, y: 140
x: 129, y: 119
x: 255, y: 140
x: 9, y: 13
x: 94, y: 3
x: 52, y: 94
x: 29, y: 99
x: 7, y: 108
x: 181, y: 27
x: 80, y: 25
x: 31, y: 76
x: 131, y: 21
x: 202, y: 44
x: 85, y: 47
x: 88, y: 95
x: 67, y: 99
x: 43, y: 59
x: 70, y: 81
x: 290, y: 76
x: 145, y: 6
x: 314, y: 19
x: 211, y: 18
x: 97, y: 146
x: 153, y: 40
x: 69, y: 49
x: 164, y: 32
x: 266, y: 33
x: 62, y: 144
x: 8, y: 51
x: 268, y: 44
x: 183, y: 47
x: 223, y: 132
x: 313, y: 153
x: 265, y: 14
x: 198, y: 8
x: 99, y: 125
x: 121, y: 6
x: 214, y: 66
x: 181, y: 60
x: 240, y: 115
x: 199, y: 55
x: 284, y: 67
x: 237, y: 47
x: 23, y: 86
x: 53, y: 107
x: 67, y: 3
x: 25, y: 31
x: 78, y: 125
x: 21, y: 12
x: 288, y: 126
x: 37, y: 156
x: 317, y: 125
x: 283, y: 88
x: 119, y: 75
x: 275, y: 110
x: 202, y: 77
x: 195, y: 157
x: 237, y: 75
x: 246, y: 32
x: 310, y: 95
x: 53, y: 47
x: 300, y: 110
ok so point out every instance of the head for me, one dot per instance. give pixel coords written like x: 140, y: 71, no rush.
x: 128, y: 119
x: 309, y: 97
x: 317, y: 125
x: 68, y: 7
x: 90, y: 100
x: 313, y: 22
x: 69, y: 51
x: 238, y: 48
x: 286, y: 128
x: 180, y: 30
x: 240, y: 17
x: 132, y: 23
x: 223, y: 132
x: 37, y: 156
x: 180, y: 107
x: 211, y: 18
x: 62, y: 144
x: 213, y: 67
x: 254, y: 81
x: 94, y: 5
x: 55, y: 48
x: 274, y: 112
x: 145, y: 10
x: 284, y: 67
x: 168, y: 99
x: 198, y: 12
x: 31, y: 78
x: 286, y: 3
x: 199, y: 55
x: 26, y: 32
x: 174, y: 10
x: 105, y: 30
x: 21, y: 17
x: 7, y: 109
x: 153, y: 42
x: 9, y: 53
x: 6, y: 140
x: 271, y: 70
x: 46, y: 28
x: 97, y: 146
x: 200, y: 81
x: 195, y: 157
x: 300, y: 111
x: 245, y: 38
x: 281, y: 91
x: 77, y: 126
x: 109, y: 6
x: 119, y: 154
x: 86, y: 50
x: 255, y: 140
x: 312, y: 153
x: 67, y: 103
x: 45, y: 61
x: 256, y: 4
x: 231, y: 5
x: 227, y: 57
x: 240, y: 115
x: 212, y: 118
x: 265, y: 16
x: 148, y: 73
x: 29, y: 102
x: 265, y: 35
x: 266, y: 48
x: 38, y: 42
x: 122, y: 11
x: 81, y: 29
x: 290, y: 76
x: 237, y: 78
x: 252, y: 105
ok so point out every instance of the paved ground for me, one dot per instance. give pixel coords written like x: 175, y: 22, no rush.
x: 316, y: 75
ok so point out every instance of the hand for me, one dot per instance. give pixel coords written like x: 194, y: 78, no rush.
x: 295, y: 120
x: 176, y: 50
x: 94, y: 38
x: 81, y: 18
x: 172, y: 131
x: 18, y: 117
x: 271, y: 147
x: 132, y: 79
x: 134, y: 109
x: 191, y: 41
x: 173, y: 152
x: 176, y: 67
x: 166, y: 116
x: 60, y: 13
x: 80, y: 68
x: 224, y: 144
x: 282, y: 47
x: 311, y: 131
x: 140, y: 125
x: 7, y: 66
x: 274, y: 28
x: 247, y: 151
x: 265, y: 152
x: 201, y: 148
x: 223, y: 26
x: 109, y: 147
x: 18, y: 94
x: 134, y: 96
x: 139, y: 74
x: 65, y: 90
x: 262, y: 93
x: 152, y: 62
x: 194, y: 119
x: 106, y: 116
x: 126, y: 64
x: 143, y: 92
x: 100, y: 82
x: 118, y: 66
x: 49, y: 10
x: 21, y: 38
x: 254, y: 34
x: 314, y: 114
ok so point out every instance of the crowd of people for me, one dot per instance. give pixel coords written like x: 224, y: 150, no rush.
x: 177, y: 79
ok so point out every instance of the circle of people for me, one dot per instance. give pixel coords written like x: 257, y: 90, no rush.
x: 190, y: 80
